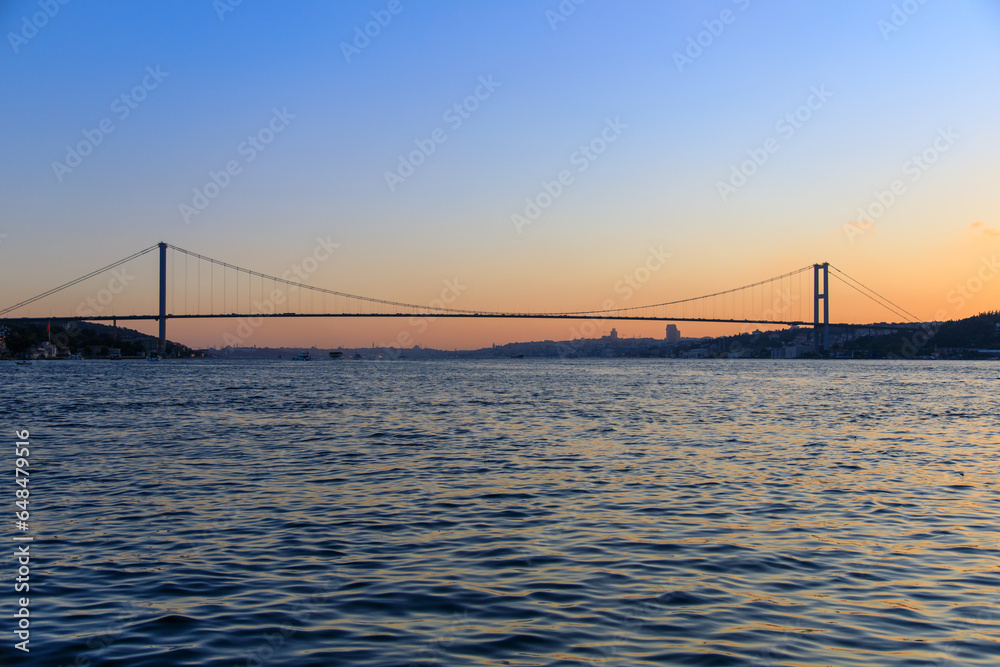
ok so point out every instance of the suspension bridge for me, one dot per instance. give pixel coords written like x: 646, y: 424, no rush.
x: 223, y: 290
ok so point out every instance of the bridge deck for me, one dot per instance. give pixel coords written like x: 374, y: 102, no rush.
x: 431, y: 314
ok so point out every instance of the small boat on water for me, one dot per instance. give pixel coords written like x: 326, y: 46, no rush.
x: 336, y: 354
x: 153, y: 355
x: 517, y: 356
x: 22, y: 362
x: 302, y: 356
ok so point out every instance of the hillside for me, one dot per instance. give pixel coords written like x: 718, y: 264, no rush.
x: 85, y: 338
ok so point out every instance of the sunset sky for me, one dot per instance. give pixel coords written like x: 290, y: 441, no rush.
x: 742, y: 138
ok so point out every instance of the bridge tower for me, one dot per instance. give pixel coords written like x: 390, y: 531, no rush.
x: 163, y: 297
x: 825, y: 296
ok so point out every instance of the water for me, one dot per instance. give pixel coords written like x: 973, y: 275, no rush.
x: 513, y: 512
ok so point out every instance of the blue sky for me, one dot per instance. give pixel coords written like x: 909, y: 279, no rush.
x: 555, y: 85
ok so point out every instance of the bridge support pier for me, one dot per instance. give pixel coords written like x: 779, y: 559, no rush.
x: 163, y: 297
x: 825, y: 296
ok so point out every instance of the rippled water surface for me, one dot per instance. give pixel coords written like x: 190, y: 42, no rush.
x: 513, y: 512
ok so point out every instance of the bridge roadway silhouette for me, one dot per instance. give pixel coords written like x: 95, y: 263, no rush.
x: 820, y: 322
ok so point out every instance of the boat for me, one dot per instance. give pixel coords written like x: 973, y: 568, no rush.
x: 336, y: 354
x: 114, y: 353
x: 517, y: 356
x: 75, y: 357
x: 153, y: 355
x: 22, y: 362
x: 302, y: 356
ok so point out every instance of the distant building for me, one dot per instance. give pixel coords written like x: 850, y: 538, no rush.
x: 673, y: 334
x: 614, y: 334
x: 47, y: 350
x: 793, y: 351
